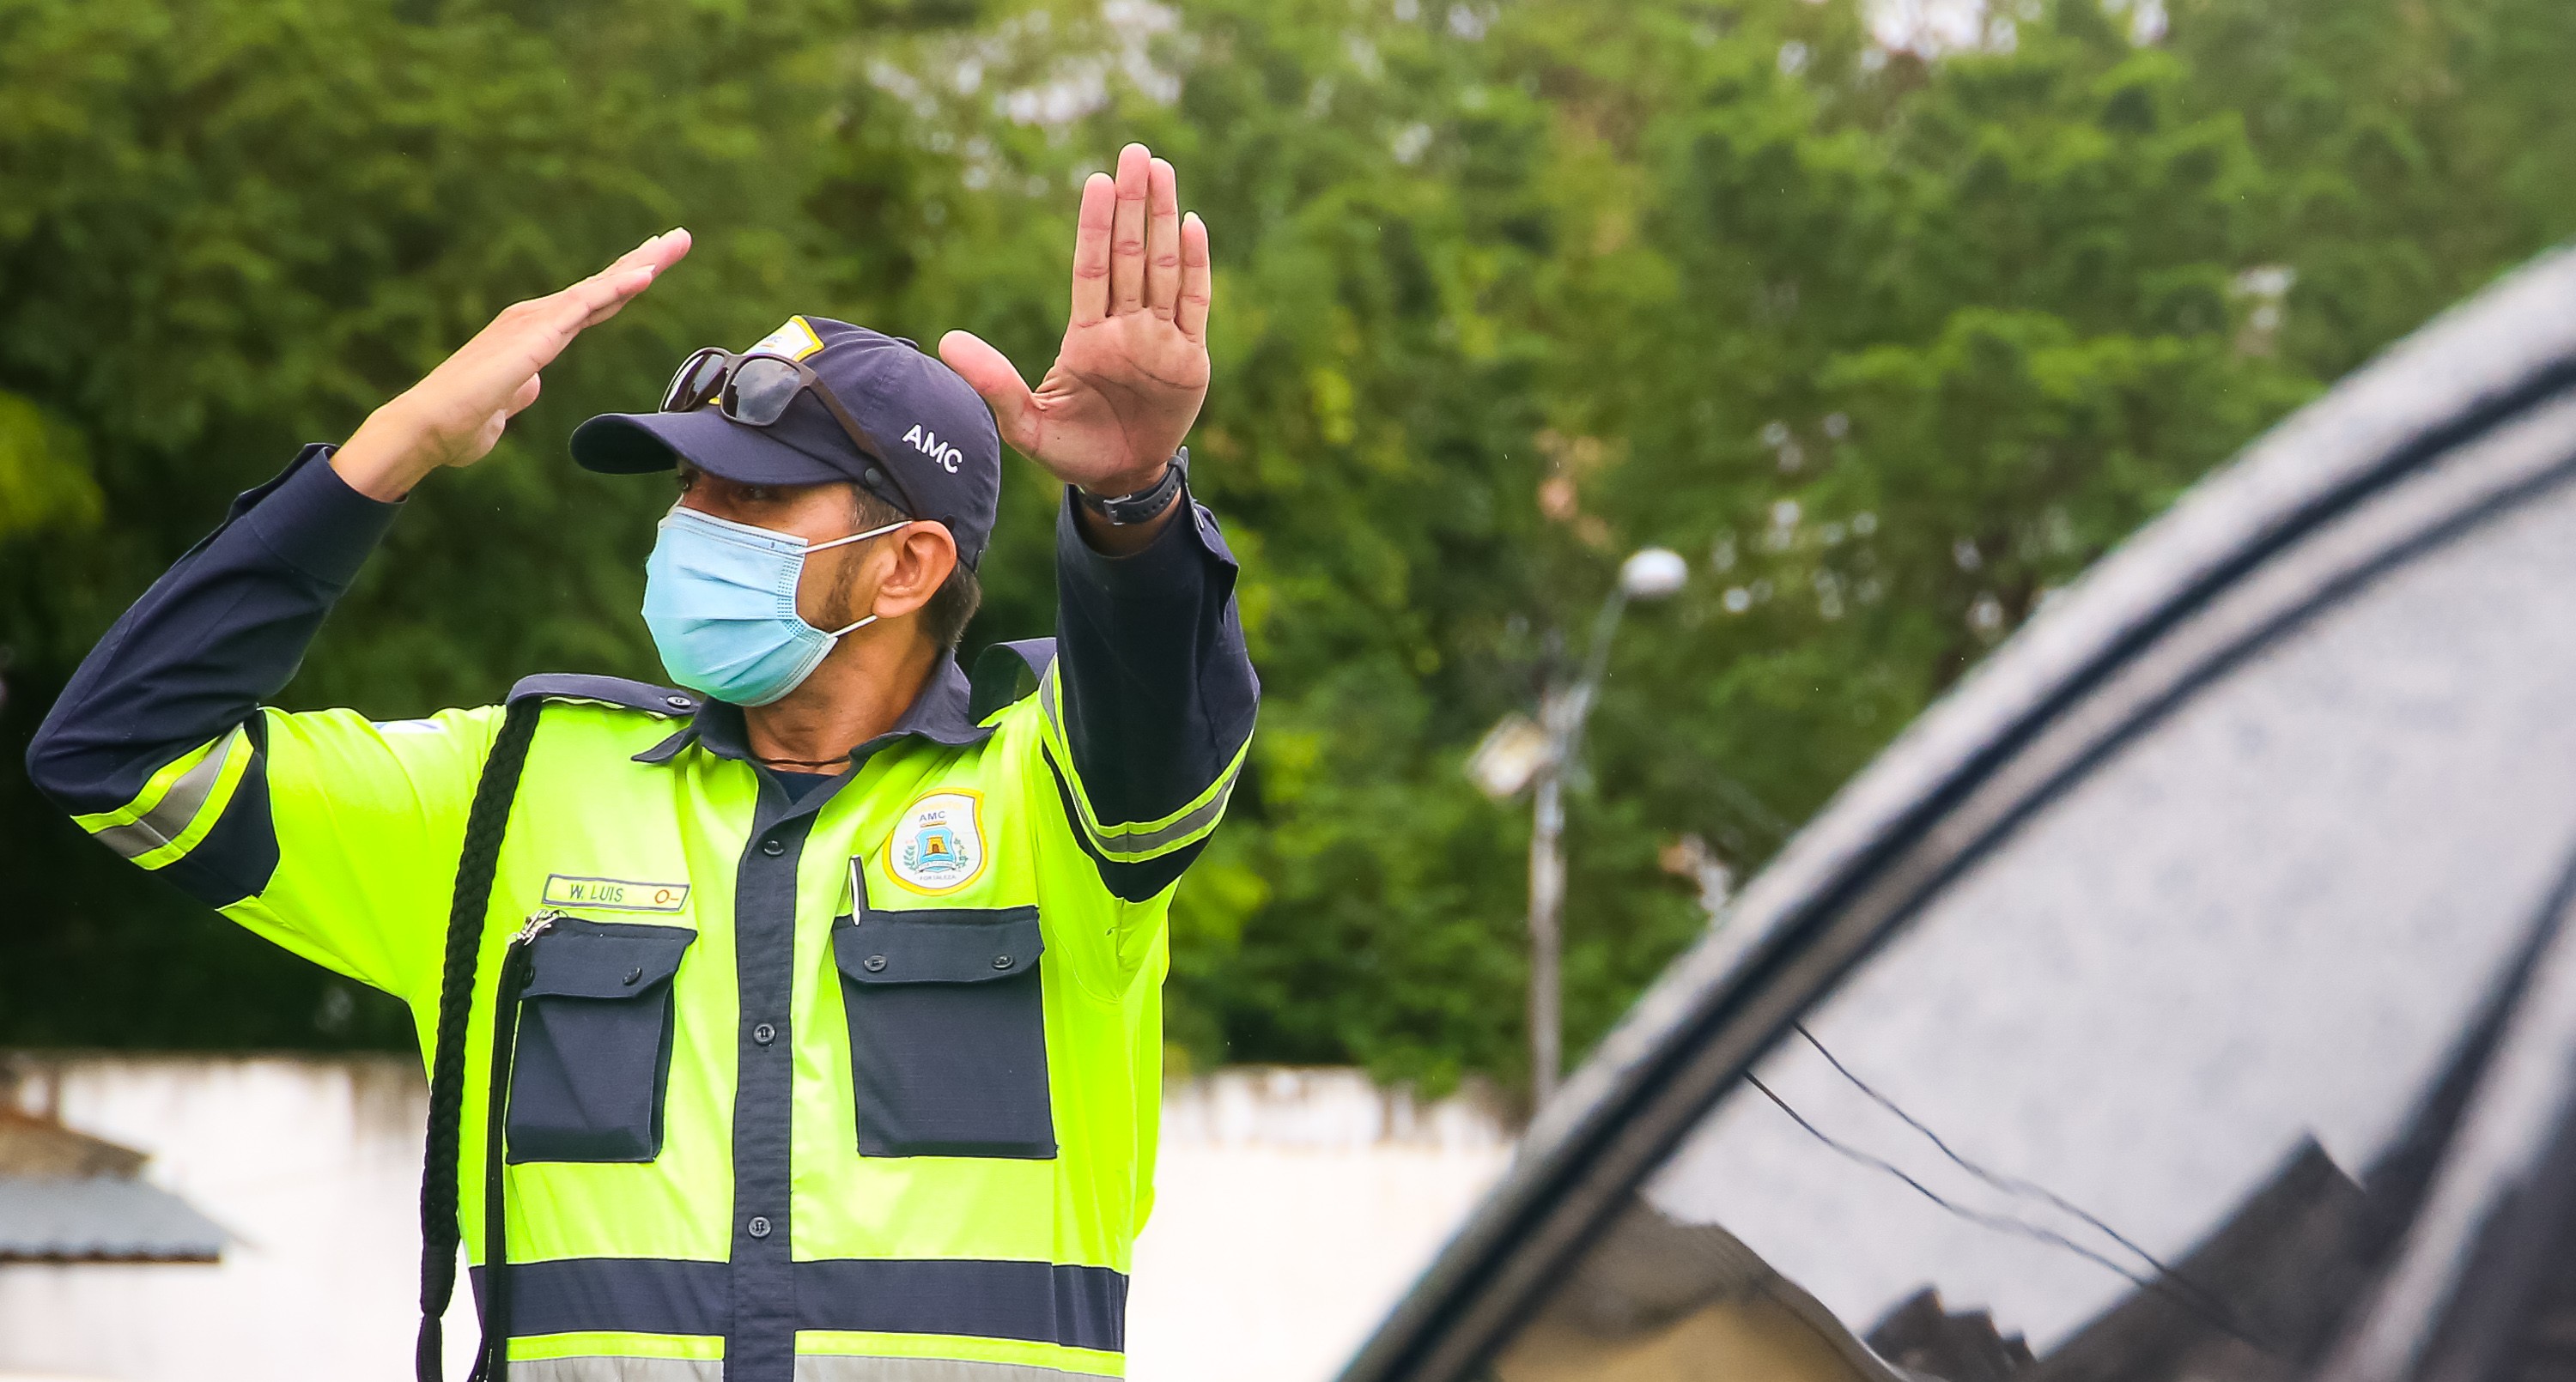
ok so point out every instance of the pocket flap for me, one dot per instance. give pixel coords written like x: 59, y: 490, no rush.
x: 599, y: 959
x: 957, y: 946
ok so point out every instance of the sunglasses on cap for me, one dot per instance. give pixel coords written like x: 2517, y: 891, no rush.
x: 754, y: 389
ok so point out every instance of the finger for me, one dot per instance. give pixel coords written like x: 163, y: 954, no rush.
x: 601, y: 295
x: 1091, y: 250
x: 526, y: 395
x: 655, y: 257
x: 1127, y: 233
x: 991, y: 374
x: 635, y: 258
x: 1162, y: 238
x: 615, y: 305
x: 484, y: 440
x: 606, y: 291
x: 1198, y: 279
x: 660, y: 252
x: 527, y: 336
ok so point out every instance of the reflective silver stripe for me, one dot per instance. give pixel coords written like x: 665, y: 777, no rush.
x: 826, y: 1367
x: 177, y: 808
x: 1046, y: 704
x: 617, y: 1370
x: 1132, y: 839
x: 1129, y: 839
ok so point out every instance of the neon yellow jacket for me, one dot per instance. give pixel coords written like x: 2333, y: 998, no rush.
x: 837, y: 1082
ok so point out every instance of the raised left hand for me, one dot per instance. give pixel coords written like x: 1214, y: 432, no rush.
x: 455, y: 416
x: 1133, y: 369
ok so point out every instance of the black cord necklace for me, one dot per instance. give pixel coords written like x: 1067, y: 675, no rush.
x: 769, y: 761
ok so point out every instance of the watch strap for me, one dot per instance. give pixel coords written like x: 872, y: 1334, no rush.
x: 1143, y: 506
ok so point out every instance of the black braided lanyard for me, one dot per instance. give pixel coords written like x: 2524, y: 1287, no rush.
x: 485, y: 823
x: 495, y: 1363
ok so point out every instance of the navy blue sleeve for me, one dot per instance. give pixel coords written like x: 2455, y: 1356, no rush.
x: 1158, y: 694
x: 224, y: 629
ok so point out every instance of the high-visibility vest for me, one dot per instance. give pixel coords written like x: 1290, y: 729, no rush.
x: 863, y: 1093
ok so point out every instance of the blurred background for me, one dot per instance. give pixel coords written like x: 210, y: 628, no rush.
x: 1889, y: 318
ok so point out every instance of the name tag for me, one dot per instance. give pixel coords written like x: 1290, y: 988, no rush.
x: 615, y: 894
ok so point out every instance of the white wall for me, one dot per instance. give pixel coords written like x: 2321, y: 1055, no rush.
x: 313, y: 1165
x: 1291, y: 1208
x: 1293, y: 1205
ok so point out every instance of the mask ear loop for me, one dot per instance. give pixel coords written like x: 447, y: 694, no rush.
x: 859, y: 537
x: 813, y: 547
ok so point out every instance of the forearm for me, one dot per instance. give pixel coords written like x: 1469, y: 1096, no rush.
x: 1159, y: 694
x: 222, y: 631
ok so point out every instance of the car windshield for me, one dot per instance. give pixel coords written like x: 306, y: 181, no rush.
x: 2156, y: 1086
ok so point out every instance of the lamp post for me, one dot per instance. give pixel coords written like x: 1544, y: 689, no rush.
x: 1517, y: 752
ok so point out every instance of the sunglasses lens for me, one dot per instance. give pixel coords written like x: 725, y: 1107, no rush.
x: 760, y: 391
x: 697, y: 381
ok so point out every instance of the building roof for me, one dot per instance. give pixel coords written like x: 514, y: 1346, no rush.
x: 68, y: 1197
x: 100, y: 1219
x: 33, y: 1146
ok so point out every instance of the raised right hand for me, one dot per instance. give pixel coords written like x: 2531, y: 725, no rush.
x: 455, y: 416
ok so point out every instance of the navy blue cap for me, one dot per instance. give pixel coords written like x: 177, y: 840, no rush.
x: 934, y: 430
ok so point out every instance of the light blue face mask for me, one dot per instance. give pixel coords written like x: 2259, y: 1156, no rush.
x: 720, y: 600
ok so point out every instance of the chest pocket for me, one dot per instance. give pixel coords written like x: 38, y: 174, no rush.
x: 594, y: 1043
x: 947, y: 1033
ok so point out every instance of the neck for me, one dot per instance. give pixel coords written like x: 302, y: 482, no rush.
x: 860, y: 692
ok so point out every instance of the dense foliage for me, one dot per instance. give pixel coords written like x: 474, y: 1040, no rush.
x: 1890, y: 343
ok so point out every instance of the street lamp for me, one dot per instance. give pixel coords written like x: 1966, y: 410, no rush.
x: 1517, y: 752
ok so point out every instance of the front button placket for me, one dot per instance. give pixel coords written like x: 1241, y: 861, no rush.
x: 762, y: 1345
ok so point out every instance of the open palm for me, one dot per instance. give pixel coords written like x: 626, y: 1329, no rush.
x: 1133, y: 369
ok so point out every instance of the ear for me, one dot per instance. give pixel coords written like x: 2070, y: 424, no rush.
x: 918, y: 560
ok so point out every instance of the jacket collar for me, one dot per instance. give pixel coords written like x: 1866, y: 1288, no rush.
x: 938, y: 714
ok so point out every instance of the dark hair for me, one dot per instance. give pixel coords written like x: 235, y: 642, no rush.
x: 957, y: 598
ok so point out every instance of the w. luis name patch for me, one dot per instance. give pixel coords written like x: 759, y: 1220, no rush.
x: 614, y: 894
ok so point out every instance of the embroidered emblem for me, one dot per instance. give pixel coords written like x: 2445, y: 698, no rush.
x: 939, y: 847
x: 795, y: 340
x: 615, y: 894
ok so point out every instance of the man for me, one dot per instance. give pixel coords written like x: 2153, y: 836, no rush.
x: 838, y: 1051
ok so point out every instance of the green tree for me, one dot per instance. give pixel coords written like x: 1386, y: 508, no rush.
x: 1892, y: 345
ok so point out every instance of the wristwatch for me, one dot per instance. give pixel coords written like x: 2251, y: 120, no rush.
x: 1145, y: 505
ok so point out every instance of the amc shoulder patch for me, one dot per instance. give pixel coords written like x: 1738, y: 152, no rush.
x: 938, y: 845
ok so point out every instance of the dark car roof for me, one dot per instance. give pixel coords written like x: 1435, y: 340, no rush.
x: 2040, y: 709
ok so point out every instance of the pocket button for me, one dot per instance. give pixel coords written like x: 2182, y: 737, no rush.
x: 874, y: 964
x: 1001, y: 962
